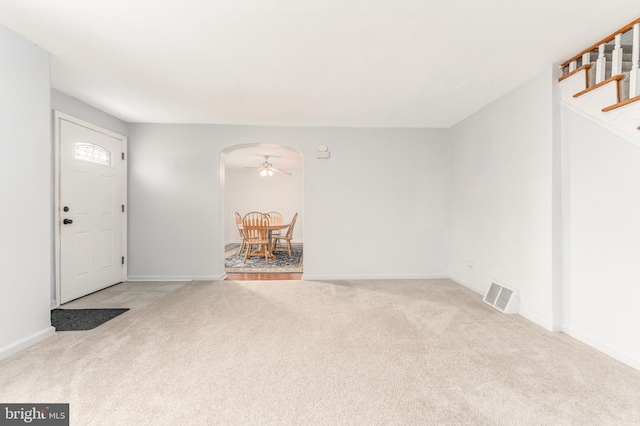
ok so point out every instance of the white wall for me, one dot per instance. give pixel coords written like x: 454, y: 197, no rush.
x: 380, y: 207
x: 602, y: 238
x: 248, y: 191
x: 501, y: 197
x: 76, y: 108
x: 25, y: 185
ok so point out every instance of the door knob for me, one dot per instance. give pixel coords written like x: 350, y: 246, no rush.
x: 67, y: 221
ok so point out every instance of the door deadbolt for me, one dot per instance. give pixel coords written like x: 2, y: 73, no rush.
x: 65, y: 209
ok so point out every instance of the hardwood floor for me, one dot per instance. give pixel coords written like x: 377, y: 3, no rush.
x: 262, y: 277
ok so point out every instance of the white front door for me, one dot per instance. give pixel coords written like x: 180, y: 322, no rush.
x: 91, y: 203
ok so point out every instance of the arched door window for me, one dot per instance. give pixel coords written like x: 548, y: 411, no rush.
x: 93, y: 153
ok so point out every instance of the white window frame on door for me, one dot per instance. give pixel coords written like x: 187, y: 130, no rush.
x: 58, y: 116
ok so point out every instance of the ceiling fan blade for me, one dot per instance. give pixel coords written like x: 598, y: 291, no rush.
x: 281, y: 171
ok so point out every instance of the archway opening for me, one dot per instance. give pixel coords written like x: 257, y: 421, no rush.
x: 265, y: 178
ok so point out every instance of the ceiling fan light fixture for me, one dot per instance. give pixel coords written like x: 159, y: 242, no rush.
x: 267, y: 169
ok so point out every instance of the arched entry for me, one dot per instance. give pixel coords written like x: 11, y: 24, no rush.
x: 245, y: 187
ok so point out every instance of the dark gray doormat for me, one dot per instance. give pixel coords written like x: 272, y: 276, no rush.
x: 82, y: 319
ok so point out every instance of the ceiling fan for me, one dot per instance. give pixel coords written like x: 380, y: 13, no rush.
x: 267, y: 169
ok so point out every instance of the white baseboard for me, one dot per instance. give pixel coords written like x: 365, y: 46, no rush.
x: 604, y: 348
x: 467, y: 285
x: 547, y: 325
x: 551, y: 326
x: 310, y: 277
x: 176, y: 277
x: 25, y: 342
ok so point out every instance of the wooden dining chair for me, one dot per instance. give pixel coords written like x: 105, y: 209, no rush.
x: 287, y: 237
x: 243, y: 240
x: 275, y: 218
x: 256, y: 233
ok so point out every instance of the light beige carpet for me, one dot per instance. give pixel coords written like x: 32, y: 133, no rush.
x: 348, y: 352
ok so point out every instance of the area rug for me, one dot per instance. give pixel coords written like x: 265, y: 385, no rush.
x: 282, y: 264
x: 82, y: 319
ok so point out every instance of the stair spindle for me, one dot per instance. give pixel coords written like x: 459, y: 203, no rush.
x: 601, y: 65
x: 634, y: 75
x: 586, y: 60
x: 572, y: 66
x: 616, y: 57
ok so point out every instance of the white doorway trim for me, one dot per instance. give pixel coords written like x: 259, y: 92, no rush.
x: 58, y: 117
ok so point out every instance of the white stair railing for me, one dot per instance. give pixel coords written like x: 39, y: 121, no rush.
x: 603, y: 82
x: 616, y: 56
x: 601, y: 64
x: 599, y: 72
x: 634, y: 75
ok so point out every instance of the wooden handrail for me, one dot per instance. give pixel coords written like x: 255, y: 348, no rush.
x: 604, y: 40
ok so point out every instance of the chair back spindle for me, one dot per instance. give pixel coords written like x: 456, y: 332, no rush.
x: 243, y: 240
x: 256, y: 232
x: 275, y: 218
x: 287, y: 238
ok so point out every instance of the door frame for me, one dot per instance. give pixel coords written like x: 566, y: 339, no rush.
x: 57, y: 118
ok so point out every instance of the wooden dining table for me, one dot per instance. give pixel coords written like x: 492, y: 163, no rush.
x: 272, y: 227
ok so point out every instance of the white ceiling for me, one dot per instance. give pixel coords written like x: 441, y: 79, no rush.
x: 359, y: 63
x: 279, y: 156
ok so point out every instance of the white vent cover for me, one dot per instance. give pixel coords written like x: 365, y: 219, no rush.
x: 503, y: 298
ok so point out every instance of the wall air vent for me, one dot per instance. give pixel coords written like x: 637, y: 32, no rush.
x: 503, y: 298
